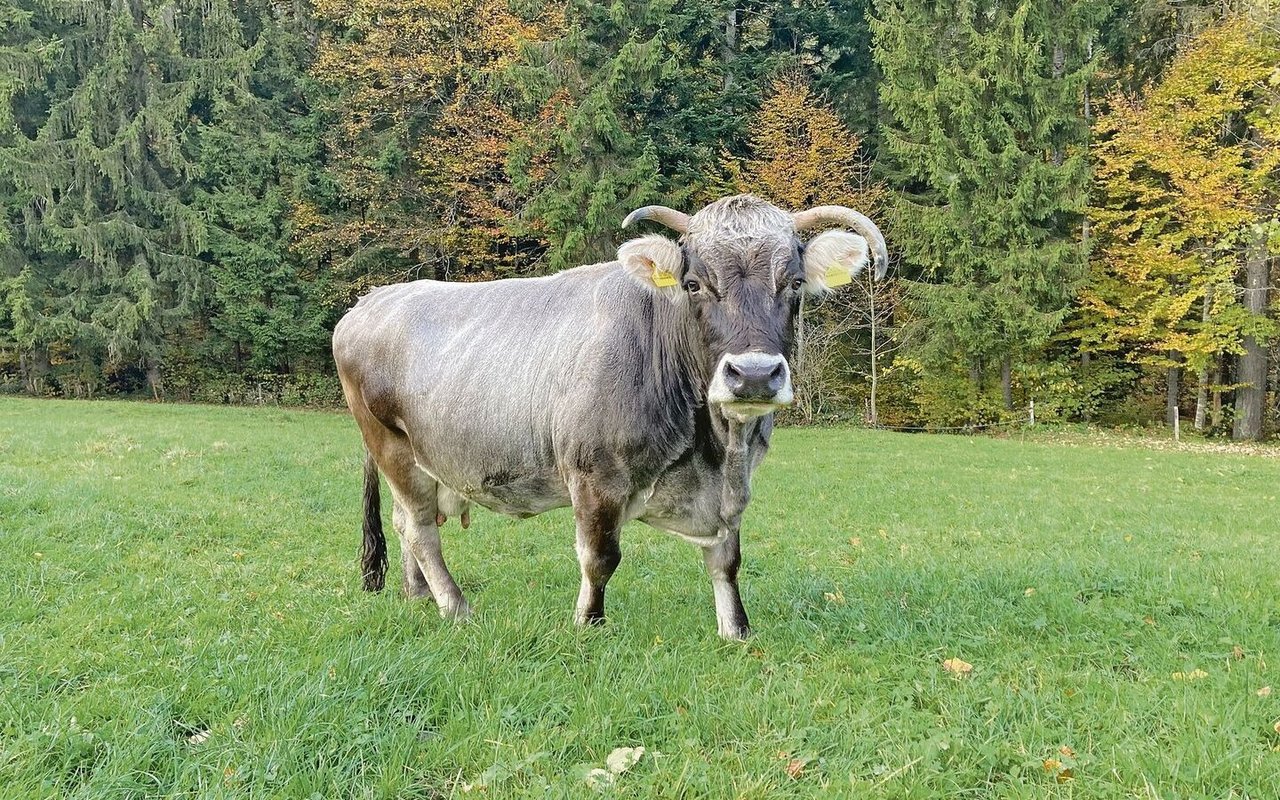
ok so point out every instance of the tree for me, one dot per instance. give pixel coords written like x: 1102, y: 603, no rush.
x: 801, y: 155
x: 112, y: 195
x: 1181, y: 179
x: 638, y: 102
x: 418, y: 137
x: 984, y: 139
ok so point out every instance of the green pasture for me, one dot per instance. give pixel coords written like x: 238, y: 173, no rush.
x: 181, y: 617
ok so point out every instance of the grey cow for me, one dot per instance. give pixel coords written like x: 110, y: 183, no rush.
x: 643, y: 388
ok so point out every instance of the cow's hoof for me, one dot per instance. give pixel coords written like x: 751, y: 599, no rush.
x: 735, y: 634
x: 418, y: 593
x: 588, y: 618
x: 458, y: 612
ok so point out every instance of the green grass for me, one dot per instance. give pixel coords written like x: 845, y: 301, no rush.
x: 182, y: 617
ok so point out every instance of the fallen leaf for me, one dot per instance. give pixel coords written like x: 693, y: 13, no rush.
x: 835, y: 598
x: 1052, y: 765
x: 1148, y: 620
x: 1193, y: 675
x: 795, y: 768
x: 1027, y: 592
x: 957, y: 667
x: 623, y: 759
x: 600, y: 779
x: 1065, y: 775
x: 1237, y: 652
x: 856, y: 541
x: 1265, y: 691
x: 1067, y: 751
x: 199, y: 737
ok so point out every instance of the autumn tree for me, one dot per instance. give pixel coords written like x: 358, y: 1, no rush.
x: 801, y: 155
x: 1182, y: 176
x: 418, y: 138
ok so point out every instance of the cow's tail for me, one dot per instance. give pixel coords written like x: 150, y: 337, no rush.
x: 373, y: 555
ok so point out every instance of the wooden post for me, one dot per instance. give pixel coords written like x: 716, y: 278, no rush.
x: 1177, y: 425
x: 1033, y: 413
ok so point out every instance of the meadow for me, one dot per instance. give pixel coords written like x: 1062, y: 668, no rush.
x: 935, y: 617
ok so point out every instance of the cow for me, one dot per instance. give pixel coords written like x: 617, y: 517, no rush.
x: 643, y: 388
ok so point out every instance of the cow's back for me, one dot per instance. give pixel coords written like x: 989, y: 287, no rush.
x: 500, y: 386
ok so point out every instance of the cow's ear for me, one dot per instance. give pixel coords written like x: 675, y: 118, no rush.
x: 653, y: 261
x: 832, y: 259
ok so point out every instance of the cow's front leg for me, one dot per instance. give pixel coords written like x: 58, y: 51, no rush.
x: 597, y: 520
x: 722, y: 561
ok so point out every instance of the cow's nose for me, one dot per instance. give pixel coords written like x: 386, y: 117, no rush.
x: 755, y: 376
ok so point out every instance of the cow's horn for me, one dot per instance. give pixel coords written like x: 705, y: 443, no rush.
x: 849, y: 218
x: 675, y: 220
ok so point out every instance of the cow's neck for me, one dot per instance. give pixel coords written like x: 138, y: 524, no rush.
x: 681, y: 362
x: 727, y: 445
x: 739, y: 461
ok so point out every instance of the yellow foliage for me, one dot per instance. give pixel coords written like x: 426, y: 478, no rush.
x: 1179, y: 176
x: 420, y: 139
x: 802, y: 155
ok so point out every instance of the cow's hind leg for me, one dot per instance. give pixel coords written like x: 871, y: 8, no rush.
x: 415, y: 583
x: 722, y: 561
x: 598, y: 521
x: 415, y: 497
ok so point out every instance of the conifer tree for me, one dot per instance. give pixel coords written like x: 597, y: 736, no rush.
x: 108, y: 189
x: 801, y: 155
x: 639, y: 102
x: 985, y: 138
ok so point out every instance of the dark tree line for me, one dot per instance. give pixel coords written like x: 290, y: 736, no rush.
x: 193, y: 191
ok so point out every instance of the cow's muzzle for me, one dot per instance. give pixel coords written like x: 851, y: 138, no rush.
x: 750, y: 384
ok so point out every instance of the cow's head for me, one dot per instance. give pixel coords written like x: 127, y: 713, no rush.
x: 741, y: 268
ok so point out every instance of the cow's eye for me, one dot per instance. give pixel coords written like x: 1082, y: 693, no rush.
x: 797, y: 284
x: 692, y: 286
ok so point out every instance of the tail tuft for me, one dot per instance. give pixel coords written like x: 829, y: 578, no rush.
x: 373, y: 555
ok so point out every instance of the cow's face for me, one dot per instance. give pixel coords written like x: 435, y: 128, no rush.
x: 740, y: 271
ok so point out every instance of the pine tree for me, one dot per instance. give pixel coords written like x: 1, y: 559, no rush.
x: 108, y: 192
x: 639, y: 102
x: 986, y: 139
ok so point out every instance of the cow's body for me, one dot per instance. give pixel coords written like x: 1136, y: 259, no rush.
x: 594, y: 376
x: 603, y: 387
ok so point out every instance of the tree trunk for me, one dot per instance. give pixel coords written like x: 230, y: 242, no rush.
x: 1202, y: 380
x: 976, y: 376
x: 35, y: 371
x: 875, y: 377
x: 1006, y: 382
x: 1172, y: 382
x: 1252, y: 374
x: 1215, y: 412
x: 730, y: 51
x: 153, y: 378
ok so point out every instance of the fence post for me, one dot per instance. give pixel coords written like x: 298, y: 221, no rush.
x: 1177, y: 425
x: 1033, y: 413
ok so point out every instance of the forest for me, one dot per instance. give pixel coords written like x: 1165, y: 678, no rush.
x: 1080, y: 196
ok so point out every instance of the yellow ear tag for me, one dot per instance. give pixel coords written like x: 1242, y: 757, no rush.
x: 662, y: 278
x: 837, y: 275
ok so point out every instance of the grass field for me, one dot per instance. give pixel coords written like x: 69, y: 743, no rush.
x: 182, y: 618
